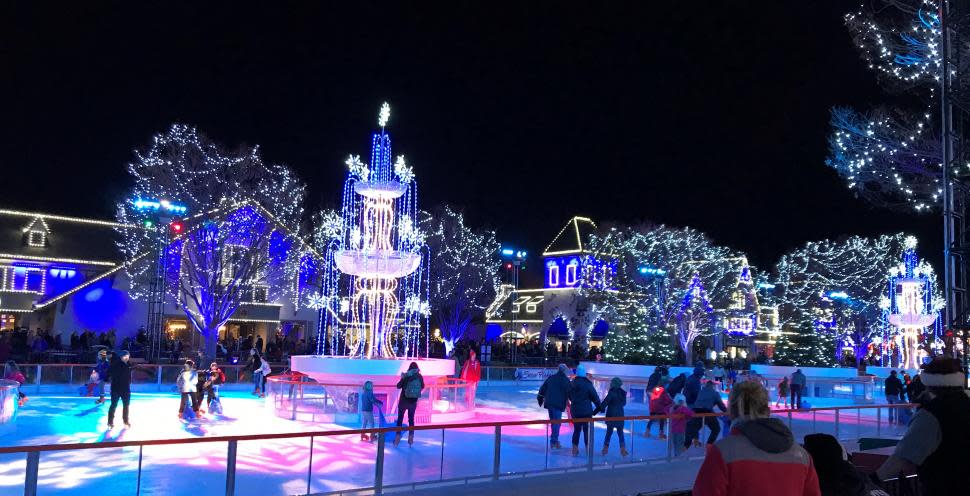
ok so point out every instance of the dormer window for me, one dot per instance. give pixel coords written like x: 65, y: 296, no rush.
x: 37, y: 239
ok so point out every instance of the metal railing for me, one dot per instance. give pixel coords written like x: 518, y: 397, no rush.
x: 509, y: 441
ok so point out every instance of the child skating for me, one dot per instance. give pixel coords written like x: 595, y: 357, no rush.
x: 613, y: 404
x: 681, y: 413
x: 367, y: 402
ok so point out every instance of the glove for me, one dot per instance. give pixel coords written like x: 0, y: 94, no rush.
x: 540, y: 400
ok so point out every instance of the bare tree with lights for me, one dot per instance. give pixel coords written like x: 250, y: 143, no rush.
x: 464, y: 272
x: 244, y: 217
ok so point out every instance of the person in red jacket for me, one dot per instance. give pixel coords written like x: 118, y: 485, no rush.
x: 660, y: 401
x: 757, y: 445
x: 471, y: 373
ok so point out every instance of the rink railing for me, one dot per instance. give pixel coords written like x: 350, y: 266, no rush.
x: 587, y: 459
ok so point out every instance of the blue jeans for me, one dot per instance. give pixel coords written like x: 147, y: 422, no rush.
x: 554, y: 428
x: 258, y: 384
x: 892, y: 400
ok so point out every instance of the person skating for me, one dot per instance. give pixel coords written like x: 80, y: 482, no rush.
x: 367, y: 402
x: 706, y: 401
x: 655, y: 377
x: 783, y: 392
x: 411, y: 385
x: 660, y: 402
x: 214, y: 377
x: 101, y: 368
x: 584, y: 401
x: 554, y: 397
x: 797, y: 386
x: 260, y: 368
x: 938, y: 436
x: 119, y: 371
x: 11, y: 372
x: 613, y: 404
x: 759, y: 456
x: 680, y: 414
x: 676, y: 386
x: 187, y: 383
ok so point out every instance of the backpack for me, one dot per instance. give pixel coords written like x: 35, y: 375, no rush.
x: 412, y: 390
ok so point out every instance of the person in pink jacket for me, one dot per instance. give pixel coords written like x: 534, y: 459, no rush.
x: 759, y: 456
x: 680, y: 414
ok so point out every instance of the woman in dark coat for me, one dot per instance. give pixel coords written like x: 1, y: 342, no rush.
x: 613, y: 404
x: 584, y: 401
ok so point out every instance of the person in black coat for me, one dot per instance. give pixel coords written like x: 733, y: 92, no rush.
x: 613, y: 404
x: 554, y: 396
x: 893, y: 389
x: 411, y: 384
x: 677, y: 385
x: 584, y: 401
x: 120, y: 373
x: 654, y: 379
x: 693, y: 386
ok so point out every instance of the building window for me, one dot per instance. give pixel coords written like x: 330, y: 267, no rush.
x: 571, y: 270
x: 260, y: 294
x: 552, y: 269
x: 22, y: 279
x: 37, y: 238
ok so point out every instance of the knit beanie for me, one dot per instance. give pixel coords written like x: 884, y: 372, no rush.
x: 942, y: 373
x: 581, y: 371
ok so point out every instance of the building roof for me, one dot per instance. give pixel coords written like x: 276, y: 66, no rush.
x: 65, y: 238
x: 570, y: 237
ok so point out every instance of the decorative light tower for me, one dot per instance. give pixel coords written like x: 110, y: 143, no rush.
x: 378, y: 244
x: 912, y: 304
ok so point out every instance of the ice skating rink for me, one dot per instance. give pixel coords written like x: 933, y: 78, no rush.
x: 270, y: 467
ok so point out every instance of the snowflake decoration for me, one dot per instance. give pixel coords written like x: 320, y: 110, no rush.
x: 357, y: 168
x: 317, y: 301
x: 402, y: 170
x: 910, y: 242
x: 414, y: 304
x: 332, y: 225
x: 355, y: 237
x: 384, y: 115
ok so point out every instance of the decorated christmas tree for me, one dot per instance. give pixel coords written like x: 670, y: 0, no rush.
x: 806, y: 348
x: 640, y: 344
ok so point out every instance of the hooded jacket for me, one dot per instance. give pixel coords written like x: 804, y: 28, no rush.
x: 554, y: 393
x: 737, y: 464
x: 583, y: 397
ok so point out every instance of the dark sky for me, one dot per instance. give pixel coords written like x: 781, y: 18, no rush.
x: 708, y: 114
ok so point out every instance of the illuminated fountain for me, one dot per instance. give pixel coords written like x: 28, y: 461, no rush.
x: 373, y: 299
x: 912, y: 305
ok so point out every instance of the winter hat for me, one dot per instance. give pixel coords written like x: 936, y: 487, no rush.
x: 942, y: 373
x: 581, y: 371
x: 124, y: 353
x: 616, y: 382
x: 680, y: 398
x: 368, y: 386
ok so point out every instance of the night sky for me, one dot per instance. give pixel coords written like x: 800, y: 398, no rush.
x: 708, y: 114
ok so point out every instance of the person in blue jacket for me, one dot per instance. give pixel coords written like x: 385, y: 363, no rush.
x: 554, y: 396
x: 584, y: 401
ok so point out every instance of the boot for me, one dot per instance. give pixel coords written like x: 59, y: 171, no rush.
x: 623, y: 451
x: 397, y: 439
x: 662, y: 436
x: 575, y: 450
x: 410, y: 439
x: 606, y: 450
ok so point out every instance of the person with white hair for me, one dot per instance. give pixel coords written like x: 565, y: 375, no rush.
x: 757, y: 445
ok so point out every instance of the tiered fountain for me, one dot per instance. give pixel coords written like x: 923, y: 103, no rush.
x: 373, y: 301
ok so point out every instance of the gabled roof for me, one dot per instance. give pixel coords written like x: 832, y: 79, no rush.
x: 570, y: 237
x: 68, y: 239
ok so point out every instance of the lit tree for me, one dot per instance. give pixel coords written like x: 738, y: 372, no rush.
x: 670, y: 258
x: 464, y: 272
x: 642, y: 343
x: 805, y: 348
x: 893, y: 156
x: 825, y: 285
x: 244, y: 214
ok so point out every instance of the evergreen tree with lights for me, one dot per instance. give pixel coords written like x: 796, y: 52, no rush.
x: 805, y: 348
x: 641, y: 344
x: 242, y: 231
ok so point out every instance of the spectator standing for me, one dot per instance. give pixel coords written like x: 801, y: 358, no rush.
x: 893, y: 389
x: 759, y: 456
x: 938, y: 437
x: 554, y: 397
x: 797, y: 385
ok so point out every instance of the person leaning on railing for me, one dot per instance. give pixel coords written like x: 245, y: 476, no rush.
x: 938, y: 438
x: 759, y: 456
